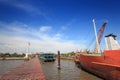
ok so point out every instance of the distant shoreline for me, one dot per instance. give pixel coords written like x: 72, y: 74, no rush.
x: 12, y: 58
x: 67, y: 58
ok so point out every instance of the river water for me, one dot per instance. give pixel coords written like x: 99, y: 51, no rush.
x: 6, y: 65
x: 69, y: 71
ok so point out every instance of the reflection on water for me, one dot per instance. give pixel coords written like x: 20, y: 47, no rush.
x: 68, y: 71
x: 6, y: 65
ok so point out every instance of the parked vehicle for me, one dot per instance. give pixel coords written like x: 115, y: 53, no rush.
x: 47, y: 57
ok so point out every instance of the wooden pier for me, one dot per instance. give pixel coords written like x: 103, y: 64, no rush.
x: 30, y: 70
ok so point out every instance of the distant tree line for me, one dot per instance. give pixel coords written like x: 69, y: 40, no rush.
x: 12, y: 55
x: 68, y: 54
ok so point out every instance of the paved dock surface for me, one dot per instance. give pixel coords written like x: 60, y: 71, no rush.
x: 30, y: 70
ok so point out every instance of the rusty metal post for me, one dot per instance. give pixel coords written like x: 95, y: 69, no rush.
x: 59, y: 60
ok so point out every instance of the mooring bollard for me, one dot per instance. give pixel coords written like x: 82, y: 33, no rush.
x: 59, y: 60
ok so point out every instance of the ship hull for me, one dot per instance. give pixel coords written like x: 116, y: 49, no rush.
x: 106, y: 66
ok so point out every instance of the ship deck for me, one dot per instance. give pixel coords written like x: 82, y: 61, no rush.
x: 93, y: 54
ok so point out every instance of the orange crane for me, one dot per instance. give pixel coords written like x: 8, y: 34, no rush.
x: 100, y: 34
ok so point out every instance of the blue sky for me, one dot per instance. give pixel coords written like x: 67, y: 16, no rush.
x: 51, y: 25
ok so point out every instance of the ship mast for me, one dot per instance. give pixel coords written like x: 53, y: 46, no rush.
x: 98, y: 46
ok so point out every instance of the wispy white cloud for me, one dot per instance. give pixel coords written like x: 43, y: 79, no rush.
x: 65, y: 26
x: 16, y: 36
x: 45, y: 28
x: 26, y: 7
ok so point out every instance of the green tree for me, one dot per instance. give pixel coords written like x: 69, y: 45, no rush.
x: 14, y: 55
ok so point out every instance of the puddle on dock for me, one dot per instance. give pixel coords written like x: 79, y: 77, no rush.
x: 69, y: 71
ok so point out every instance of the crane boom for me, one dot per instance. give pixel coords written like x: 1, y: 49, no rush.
x: 100, y: 34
